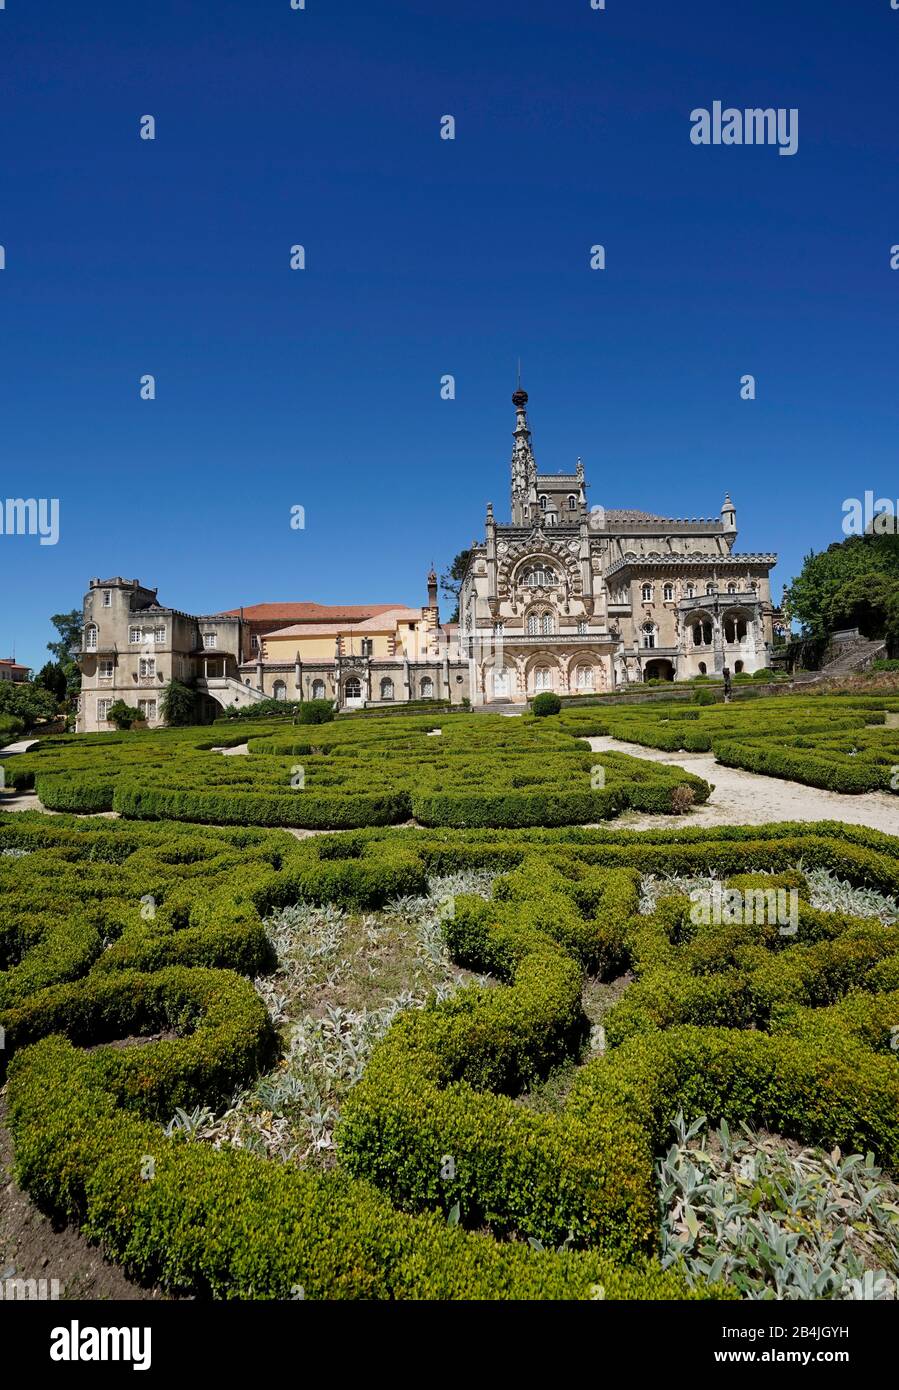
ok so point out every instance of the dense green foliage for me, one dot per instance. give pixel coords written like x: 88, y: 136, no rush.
x: 853, y: 583
x: 124, y: 715
x: 475, y: 770
x: 26, y: 702
x: 164, y: 924
x: 297, y: 711
x: 545, y: 703
x: 68, y: 641
x: 179, y: 705
x: 837, y: 742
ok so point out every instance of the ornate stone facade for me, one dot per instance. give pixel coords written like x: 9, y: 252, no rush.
x: 576, y: 600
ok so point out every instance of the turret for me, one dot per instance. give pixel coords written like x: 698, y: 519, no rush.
x: 729, y: 516
x: 524, y: 467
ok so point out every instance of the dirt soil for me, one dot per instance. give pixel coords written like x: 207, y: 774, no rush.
x: 32, y: 1248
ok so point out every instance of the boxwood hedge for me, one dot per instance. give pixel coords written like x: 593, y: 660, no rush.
x: 740, y: 1023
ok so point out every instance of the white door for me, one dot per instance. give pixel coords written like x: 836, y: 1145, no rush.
x: 501, y: 685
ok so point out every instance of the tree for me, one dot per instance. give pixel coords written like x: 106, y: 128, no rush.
x: 69, y: 626
x: 53, y: 678
x: 122, y: 715
x: 179, y: 704
x: 26, y: 700
x: 849, y: 584
x: 451, y: 581
x: 863, y: 602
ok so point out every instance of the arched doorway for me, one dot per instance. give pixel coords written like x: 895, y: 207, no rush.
x: 352, y: 692
x: 658, y: 670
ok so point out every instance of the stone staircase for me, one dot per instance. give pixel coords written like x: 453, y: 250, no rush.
x: 855, y: 656
x: 227, y: 691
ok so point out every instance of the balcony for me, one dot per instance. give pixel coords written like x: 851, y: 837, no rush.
x: 539, y: 639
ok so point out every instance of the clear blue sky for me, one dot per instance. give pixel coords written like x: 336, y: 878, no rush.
x: 424, y: 257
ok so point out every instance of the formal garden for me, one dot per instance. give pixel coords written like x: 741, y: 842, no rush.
x: 474, y: 1040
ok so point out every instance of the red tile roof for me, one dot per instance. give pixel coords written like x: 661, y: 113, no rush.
x: 383, y: 621
x: 308, y: 612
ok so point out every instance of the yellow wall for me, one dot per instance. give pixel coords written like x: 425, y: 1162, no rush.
x: 322, y: 648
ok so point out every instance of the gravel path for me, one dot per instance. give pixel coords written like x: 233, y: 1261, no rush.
x: 745, y: 798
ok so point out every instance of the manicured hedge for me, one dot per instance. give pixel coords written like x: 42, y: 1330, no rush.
x: 478, y: 771
x: 805, y: 1049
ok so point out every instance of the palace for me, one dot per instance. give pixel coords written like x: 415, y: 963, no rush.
x: 575, y: 600
x: 562, y: 598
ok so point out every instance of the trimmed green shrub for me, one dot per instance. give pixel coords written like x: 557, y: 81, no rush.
x: 805, y: 1049
x: 545, y: 703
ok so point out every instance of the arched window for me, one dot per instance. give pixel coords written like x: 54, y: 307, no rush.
x: 648, y: 635
x: 386, y: 688
x: 353, y: 688
x: 702, y: 668
x: 738, y: 667
x: 543, y: 678
x: 279, y: 690
x: 583, y: 678
x: 710, y: 588
x: 533, y: 624
x: 427, y: 688
x: 546, y: 624
x: 647, y: 593
x: 572, y: 502
x: 540, y: 577
x: 731, y: 588
x: 90, y: 638
x: 318, y: 690
x: 668, y: 593
x: 542, y: 500
x: 702, y: 635
x: 691, y: 591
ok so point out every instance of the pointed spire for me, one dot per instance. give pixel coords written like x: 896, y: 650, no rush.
x: 524, y: 466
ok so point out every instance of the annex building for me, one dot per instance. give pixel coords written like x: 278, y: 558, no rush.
x: 562, y: 597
